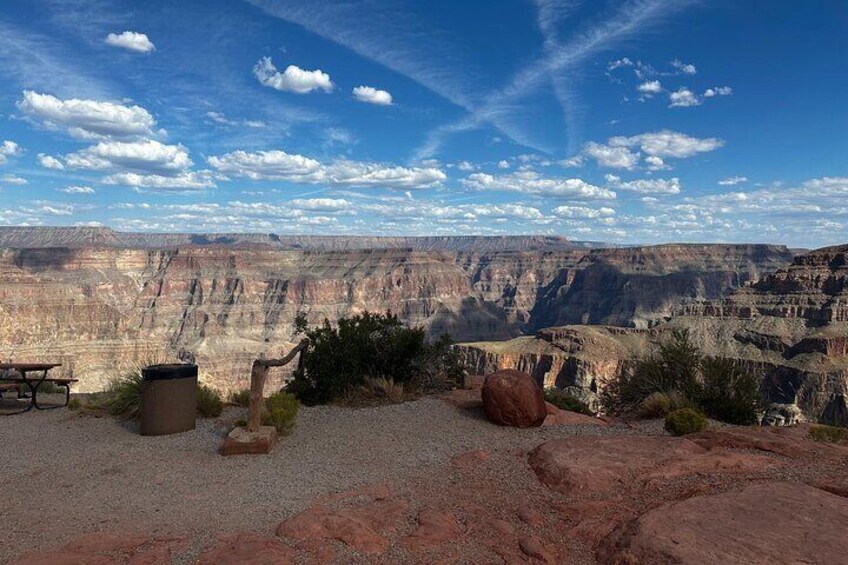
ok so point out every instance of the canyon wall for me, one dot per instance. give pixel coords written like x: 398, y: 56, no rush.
x: 790, y: 327
x: 101, y: 305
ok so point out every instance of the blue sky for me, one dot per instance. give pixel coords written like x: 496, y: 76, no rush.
x: 626, y: 121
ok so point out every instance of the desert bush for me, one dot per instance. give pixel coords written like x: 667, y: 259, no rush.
x: 280, y: 411
x: 240, y: 398
x: 659, y: 404
x: 122, y: 397
x: 74, y: 404
x: 340, y: 358
x: 831, y: 434
x: 384, y: 389
x: 680, y: 376
x: 685, y: 421
x: 209, y: 402
x: 728, y: 392
x: 565, y: 401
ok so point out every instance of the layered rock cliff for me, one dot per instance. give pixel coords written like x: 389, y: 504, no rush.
x: 790, y: 327
x: 102, y: 308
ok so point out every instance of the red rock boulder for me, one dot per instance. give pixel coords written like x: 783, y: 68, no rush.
x: 512, y: 398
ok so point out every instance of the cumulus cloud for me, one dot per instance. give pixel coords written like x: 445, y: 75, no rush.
x: 293, y: 79
x: 648, y: 186
x: 612, y: 157
x: 88, y: 119
x: 321, y: 204
x: 12, y: 179
x: 131, y: 40
x: 668, y: 143
x: 687, y: 69
x: 146, y: 157
x: 372, y: 95
x: 279, y: 165
x: 718, y: 91
x: 732, y: 181
x: 582, y: 212
x: 50, y: 162
x: 185, y: 180
x: 650, y: 87
x: 530, y: 182
x: 503, y: 164
x: 683, y: 98
x: 9, y: 149
x: 78, y: 190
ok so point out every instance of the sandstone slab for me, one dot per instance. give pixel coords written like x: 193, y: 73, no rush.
x: 240, y: 441
x: 248, y: 549
x: 512, y: 398
x: 760, y: 525
x: 587, y: 464
x: 434, y: 528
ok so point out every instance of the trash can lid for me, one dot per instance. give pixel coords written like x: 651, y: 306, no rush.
x: 169, y: 371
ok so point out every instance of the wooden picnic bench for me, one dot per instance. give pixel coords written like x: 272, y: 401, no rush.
x: 16, y: 376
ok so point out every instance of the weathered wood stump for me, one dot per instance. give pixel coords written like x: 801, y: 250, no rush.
x: 256, y: 438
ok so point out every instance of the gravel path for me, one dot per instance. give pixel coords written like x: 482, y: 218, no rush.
x: 66, y: 473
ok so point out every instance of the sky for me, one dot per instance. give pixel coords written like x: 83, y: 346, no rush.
x: 621, y: 121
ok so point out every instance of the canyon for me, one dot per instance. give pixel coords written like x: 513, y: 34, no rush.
x: 102, y: 302
x: 790, y: 327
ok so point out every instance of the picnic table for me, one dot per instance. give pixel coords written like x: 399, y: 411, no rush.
x: 16, y: 375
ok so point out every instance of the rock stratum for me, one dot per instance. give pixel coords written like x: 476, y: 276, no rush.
x: 790, y: 326
x: 102, y: 301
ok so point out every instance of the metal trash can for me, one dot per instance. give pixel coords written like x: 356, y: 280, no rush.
x: 168, y: 399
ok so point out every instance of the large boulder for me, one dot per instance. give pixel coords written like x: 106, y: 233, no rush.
x: 512, y: 398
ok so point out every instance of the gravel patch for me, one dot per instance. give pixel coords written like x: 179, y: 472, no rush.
x: 67, y: 473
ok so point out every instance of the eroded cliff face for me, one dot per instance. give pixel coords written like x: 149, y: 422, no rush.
x: 789, y: 327
x: 103, y: 308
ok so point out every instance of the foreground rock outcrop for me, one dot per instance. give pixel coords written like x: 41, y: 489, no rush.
x: 512, y: 398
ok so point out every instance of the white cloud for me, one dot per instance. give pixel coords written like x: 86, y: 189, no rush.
x: 279, y: 165
x: 582, y: 212
x: 655, y: 163
x: 684, y: 68
x: 466, y: 166
x: 132, y: 41
x: 650, y: 186
x: 613, y: 157
x: 718, y: 91
x: 147, y: 157
x: 88, y: 119
x: 185, y: 180
x: 732, y: 181
x: 293, y: 79
x: 619, y: 63
x: 667, y: 143
x: 503, y: 164
x: 650, y: 87
x: 78, y: 190
x: 9, y: 149
x: 530, y: 182
x: 220, y: 118
x: 684, y: 98
x: 12, y: 179
x: 321, y: 204
x: 50, y: 162
x: 372, y: 95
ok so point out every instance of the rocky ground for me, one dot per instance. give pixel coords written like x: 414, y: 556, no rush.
x: 429, y: 481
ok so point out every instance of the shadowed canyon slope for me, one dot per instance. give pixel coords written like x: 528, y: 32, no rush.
x: 791, y: 327
x: 99, y: 303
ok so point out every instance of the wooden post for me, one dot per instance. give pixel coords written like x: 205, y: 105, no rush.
x: 257, y: 386
x: 258, y: 374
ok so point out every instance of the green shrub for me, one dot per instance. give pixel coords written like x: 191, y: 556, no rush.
x: 209, y: 403
x: 659, y: 404
x: 831, y: 434
x: 370, y: 346
x: 240, y: 398
x: 565, y: 401
x: 674, y: 368
x: 281, y: 412
x: 685, y: 421
x: 728, y: 392
x: 122, y: 397
x: 74, y: 404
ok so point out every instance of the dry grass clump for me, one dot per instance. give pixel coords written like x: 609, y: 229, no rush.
x: 830, y: 434
x: 240, y: 398
x: 660, y: 404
